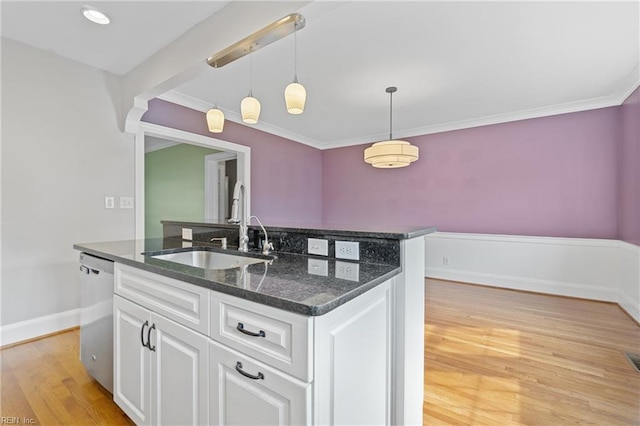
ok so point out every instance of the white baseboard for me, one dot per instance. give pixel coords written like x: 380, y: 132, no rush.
x: 607, y: 270
x: 560, y: 288
x: 36, y: 327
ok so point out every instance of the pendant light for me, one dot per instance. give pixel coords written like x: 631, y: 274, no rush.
x: 295, y: 95
x: 215, y: 120
x: 392, y: 153
x: 250, y: 106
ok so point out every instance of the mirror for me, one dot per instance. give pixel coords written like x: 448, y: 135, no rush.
x: 185, y: 182
x: 184, y: 176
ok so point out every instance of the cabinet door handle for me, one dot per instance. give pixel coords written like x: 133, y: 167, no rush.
x: 239, y: 369
x: 240, y: 328
x: 146, y: 323
x: 153, y: 349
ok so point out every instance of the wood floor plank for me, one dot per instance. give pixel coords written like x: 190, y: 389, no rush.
x: 496, y: 356
x: 44, y: 380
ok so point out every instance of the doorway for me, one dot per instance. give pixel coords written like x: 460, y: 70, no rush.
x: 228, y: 151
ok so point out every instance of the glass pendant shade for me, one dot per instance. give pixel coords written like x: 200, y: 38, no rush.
x: 215, y: 120
x: 391, y: 154
x: 295, y: 95
x: 250, y: 110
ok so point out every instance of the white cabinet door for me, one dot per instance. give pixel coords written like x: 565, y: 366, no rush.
x: 161, y: 368
x: 247, y: 392
x: 131, y: 360
x: 180, y: 374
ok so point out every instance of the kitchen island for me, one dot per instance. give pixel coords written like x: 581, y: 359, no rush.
x: 293, y: 339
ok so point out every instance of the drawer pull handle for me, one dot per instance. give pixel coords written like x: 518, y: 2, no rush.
x: 241, y: 329
x: 239, y: 369
x: 146, y: 323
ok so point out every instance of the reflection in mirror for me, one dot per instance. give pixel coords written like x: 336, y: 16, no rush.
x: 185, y: 182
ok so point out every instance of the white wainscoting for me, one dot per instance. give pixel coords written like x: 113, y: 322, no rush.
x: 629, y: 291
x: 36, y: 327
x: 607, y: 270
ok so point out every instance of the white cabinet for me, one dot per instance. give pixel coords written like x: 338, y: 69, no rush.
x: 247, y: 392
x: 245, y: 363
x: 278, y: 338
x: 161, y: 368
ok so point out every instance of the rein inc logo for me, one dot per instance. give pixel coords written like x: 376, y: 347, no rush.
x: 4, y: 420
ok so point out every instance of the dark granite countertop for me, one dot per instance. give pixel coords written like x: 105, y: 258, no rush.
x: 286, y: 283
x: 399, y: 232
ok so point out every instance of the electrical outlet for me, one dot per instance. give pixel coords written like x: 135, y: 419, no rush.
x: 347, y: 271
x: 318, y: 267
x: 109, y: 202
x: 126, y: 202
x: 348, y: 250
x: 318, y: 246
x: 187, y: 234
x: 445, y: 260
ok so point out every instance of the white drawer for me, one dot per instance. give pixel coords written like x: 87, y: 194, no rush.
x: 184, y: 303
x: 278, y: 338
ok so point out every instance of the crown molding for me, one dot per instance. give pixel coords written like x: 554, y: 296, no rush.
x: 198, y: 105
x: 630, y: 83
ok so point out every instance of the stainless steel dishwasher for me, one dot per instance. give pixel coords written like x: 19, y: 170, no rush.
x: 96, y: 318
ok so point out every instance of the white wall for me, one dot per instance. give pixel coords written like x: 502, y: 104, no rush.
x: 607, y: 270
x: 62, y: 153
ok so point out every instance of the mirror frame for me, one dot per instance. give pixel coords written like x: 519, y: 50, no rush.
x: 242, y: 152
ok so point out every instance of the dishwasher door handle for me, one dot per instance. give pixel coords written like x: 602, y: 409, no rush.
x: 84, y: 269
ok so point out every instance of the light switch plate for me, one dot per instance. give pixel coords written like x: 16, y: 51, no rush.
x: 347, y: 271
x: 109, y: 202
x: 348, y: 250
x: 187, y: 234
x: 318, y: 246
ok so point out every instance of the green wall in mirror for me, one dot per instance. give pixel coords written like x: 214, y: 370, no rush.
x: 174, y: 185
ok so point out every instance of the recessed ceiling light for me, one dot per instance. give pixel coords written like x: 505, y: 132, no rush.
x: 95, y: 16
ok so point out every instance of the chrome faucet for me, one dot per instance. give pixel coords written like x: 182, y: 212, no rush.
x: 240, y: 218
x: 239, y: 193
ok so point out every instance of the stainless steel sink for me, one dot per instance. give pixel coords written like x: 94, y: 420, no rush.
x: 209, y: 259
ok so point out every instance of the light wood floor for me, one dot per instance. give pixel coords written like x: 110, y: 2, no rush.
x: 492, y: 357
x: 44, y: 381
x: 502, y: 357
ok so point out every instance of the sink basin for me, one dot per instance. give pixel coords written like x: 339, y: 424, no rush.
x: 208, y: 259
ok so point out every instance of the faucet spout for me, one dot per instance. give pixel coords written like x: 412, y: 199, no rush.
x: 239, y: 215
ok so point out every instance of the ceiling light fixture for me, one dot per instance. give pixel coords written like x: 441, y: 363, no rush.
x: 392, y: 153
x: 95, y: 15
x: 261, y: 38
x: 215, y: 120
x: 295, y: 95
x: 250, y: 106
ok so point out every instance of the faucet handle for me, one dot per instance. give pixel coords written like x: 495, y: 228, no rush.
x: 267, y: 248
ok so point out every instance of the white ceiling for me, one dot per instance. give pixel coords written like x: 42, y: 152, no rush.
x: 456, y: 64
x: 138, y: 29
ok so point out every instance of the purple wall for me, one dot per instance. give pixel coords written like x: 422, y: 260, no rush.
x: 286, y: 177
x: 629, y: 171
x: 550, y: 176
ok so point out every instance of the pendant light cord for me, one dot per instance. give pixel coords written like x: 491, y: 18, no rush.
x: 295, y: 53
x: 390, y: 115
x: 250, y: 73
